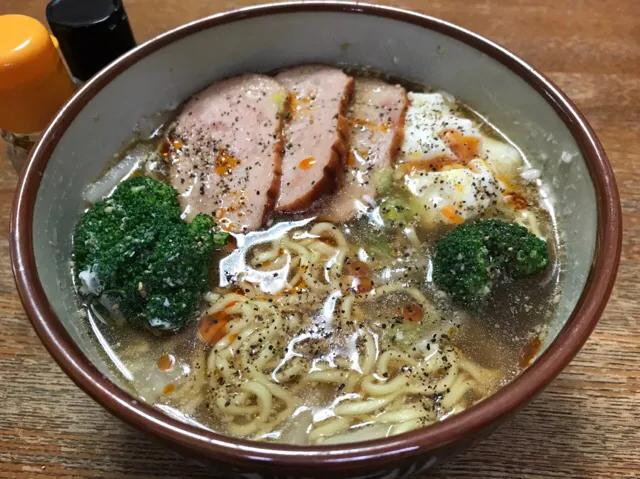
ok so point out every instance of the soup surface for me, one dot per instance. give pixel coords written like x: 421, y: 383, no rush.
x: 322, y: 321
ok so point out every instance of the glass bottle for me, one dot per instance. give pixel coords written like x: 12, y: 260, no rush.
x: 34, y: 83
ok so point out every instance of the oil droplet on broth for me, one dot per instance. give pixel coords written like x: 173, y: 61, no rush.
x: 166, y: 362
x: 173, y: 370
x: 307, y: 163
x: 169, y: 388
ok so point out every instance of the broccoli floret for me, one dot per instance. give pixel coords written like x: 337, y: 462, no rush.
x: 151, y: 265
x: 469, y: 259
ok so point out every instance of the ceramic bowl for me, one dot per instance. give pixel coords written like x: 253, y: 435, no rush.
x: 163, y: 72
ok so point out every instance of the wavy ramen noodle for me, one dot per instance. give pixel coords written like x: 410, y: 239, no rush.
x: 318, y: 330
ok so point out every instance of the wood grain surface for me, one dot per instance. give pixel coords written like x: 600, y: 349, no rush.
x: 586, y: 424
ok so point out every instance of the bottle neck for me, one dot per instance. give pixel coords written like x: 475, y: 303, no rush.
x: 18, y: 147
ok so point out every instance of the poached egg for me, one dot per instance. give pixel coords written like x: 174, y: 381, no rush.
x: 453, y: 171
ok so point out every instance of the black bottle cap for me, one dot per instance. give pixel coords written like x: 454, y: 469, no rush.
x: 91, y: 33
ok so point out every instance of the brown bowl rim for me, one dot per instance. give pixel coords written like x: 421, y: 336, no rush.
x: 206, y: 444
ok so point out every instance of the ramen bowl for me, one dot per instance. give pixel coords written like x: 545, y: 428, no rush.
x: 131, y: 94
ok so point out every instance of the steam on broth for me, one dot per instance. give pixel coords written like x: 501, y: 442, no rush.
x: 322, y: 323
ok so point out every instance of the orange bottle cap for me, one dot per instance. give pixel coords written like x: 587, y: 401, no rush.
x: 33, y: 81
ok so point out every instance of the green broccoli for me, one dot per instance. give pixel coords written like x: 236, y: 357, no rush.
x: 134, y: 250
x: 471, y: 257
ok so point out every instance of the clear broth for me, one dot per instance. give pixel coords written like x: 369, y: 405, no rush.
x: 171, y: 371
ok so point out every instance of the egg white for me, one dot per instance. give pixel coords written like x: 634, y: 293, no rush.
x: 429, y: 114
x: 453, y: 196
x: 456, y: 195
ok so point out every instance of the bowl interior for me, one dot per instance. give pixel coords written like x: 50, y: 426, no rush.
x: 171, y: 73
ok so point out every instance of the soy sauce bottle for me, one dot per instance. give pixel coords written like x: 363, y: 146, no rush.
x: 92, y: 33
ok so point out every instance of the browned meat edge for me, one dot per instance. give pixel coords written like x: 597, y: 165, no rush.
x: 274, y: 190
x: 339, y: 150
x: 398, y: 137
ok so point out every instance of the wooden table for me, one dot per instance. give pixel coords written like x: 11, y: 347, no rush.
x: 587, y: 423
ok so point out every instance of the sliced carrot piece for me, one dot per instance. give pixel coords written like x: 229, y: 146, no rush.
x: 213, y: 327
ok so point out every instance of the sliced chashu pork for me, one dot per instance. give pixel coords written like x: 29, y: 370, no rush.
x: 227, y: 153
x: 315, y: 134
x: 376, y: 118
